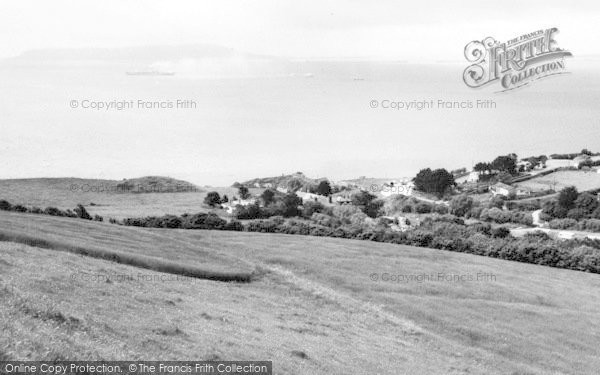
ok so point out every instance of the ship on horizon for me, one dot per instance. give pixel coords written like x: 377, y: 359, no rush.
x: 149, y: 73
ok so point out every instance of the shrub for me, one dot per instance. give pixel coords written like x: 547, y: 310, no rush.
x: 310, y: 208
x: 98, y: 218
x: 423, y: 208
x: 407, y: 208
x: 576, y: 213
x: 500, y: 232
x: 251, y: 211
x: 82, y: 212
x: 234, y: 225
x: 5, y: 205
x: 563, y: 224
x: 212, y: 199
x: 53, y: 211
x: 460, y: 205
x: 203, y: 221
x: 19, y: 208
x: 440, y: 209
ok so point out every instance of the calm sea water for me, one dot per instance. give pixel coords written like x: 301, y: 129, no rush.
x: 319, y: 121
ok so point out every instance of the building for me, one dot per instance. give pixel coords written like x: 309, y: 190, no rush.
x: 230, y: 207
x: 524, y: 166
x: 507, y: 190
x: 502, y: 189
x: 469, y: 177
x: 580, y: 160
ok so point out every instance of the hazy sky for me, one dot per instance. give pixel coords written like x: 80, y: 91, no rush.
x: 388, y: 29
x: 261, y: 125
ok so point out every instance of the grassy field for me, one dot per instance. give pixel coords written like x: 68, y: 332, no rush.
x: 582, y: 180
x: 315, y: 309
x: 66, y: 193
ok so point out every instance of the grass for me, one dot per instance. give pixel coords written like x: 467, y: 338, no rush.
x: 316, y: 310
x: 582, y: 180
x: 95, y: 241
x: 58, y: 192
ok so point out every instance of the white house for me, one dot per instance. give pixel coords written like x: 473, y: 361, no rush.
x: 230, y: 207
x: 502, y: 189
x: 469, y: 177
x: 579, y: 160
x: 310, y: 196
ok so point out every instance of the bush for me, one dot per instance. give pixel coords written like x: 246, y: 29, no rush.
x: 19, y: 208
x: 251, y: 211
x: 407, y: 208
x: 440, y: 209
x: 234, y: 225
x: 563, y: 224
x: 53, y: 211
x: 5, y: 205
x: 310, y: 208
x: 500, y: 232
x: 98, y: 218
x: 82, y: 212
x: 212, y: 199
x: 460, y: 205
x: 423, y: 208
x: 204, y: 221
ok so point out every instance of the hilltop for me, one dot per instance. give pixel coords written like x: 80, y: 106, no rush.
x: 283, y: 181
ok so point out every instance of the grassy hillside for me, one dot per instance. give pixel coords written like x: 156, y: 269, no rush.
x: 315, y: 310
x: 102, y: 197
x: 283, y: 180
x: 582, y: 180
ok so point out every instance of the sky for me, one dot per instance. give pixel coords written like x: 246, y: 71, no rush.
x: 249, y: 128
x: 385, y: 29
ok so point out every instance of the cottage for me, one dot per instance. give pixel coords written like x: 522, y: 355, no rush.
x: 524, y: 166
x: 502, y: 189
x: 230, y: 207
x: 579, y: 160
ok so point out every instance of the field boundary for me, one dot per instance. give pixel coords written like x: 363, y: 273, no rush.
x: 138, y: 261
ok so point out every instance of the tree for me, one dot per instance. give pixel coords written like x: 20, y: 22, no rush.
x: 461, y: 205
x: 311, y: 207
x: 362, y: 198
x: 243, y: 192
x: 267, y: 197
x: 212, y: 199
x: 225, y: 198
x: 482, y: 167
x: 291, y: 202
x: 436, y: 182
x: 82, y: 212
x: 586, y: 202
x: 505, y: 164
x: 567, y: 197
x: 324, y: 188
